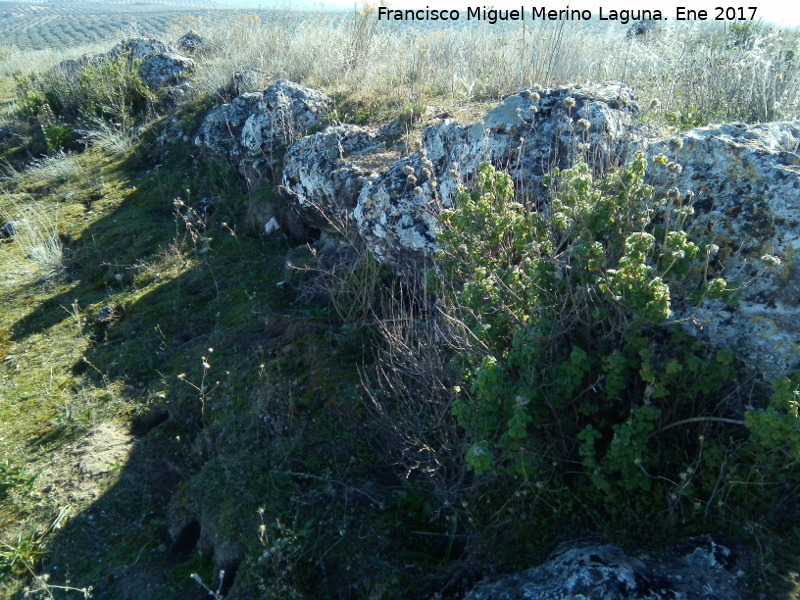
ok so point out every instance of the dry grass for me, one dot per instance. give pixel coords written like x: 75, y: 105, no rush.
x: 35, y: 232
x: 740, y: 73
x: 15, y: 60
x: 117, y: 139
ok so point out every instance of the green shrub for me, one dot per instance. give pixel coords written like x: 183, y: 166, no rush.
x: 775, y: 428
x: 30, y: 99
x: 111, y: 90
x: 60, y: 138
x: 575, y: 376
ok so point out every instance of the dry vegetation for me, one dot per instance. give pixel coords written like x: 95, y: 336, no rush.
x: 692, y: 73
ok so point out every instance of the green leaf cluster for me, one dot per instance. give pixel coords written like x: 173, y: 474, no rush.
x: 576, y: 371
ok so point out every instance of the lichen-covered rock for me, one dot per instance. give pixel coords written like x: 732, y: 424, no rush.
x: 396, y: 213
x: 249, y: 80
x: 291, y: 110
x: 222, y: 127
x: 323, y: 175
x: 528, y: 134
x: 138, y: 48
x: 700, y: 569
x: 746, y: 185
x: 254, y: 130
x: 746, y: 181
x: 163, y: 70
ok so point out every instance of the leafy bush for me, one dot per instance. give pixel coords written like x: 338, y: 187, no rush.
x: 60, y: 138
x: 30, y: 100
x: 578, y: 376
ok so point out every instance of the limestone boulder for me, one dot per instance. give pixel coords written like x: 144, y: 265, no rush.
x: 396, y: 213
x: 744, y: 184
x: 161, y: 66
x: 191, y: 42
x: 291, y: 110
x: 221, y: 130
x: 530, y: 133
x: 699, y: 569
x: 248, y: 80
x: 527, y: 134
x: 323, y: 174
x: 254, y: 130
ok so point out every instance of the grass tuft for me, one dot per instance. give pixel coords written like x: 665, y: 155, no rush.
x: 35, y: 232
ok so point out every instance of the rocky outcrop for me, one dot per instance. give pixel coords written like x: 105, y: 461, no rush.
x: 249, y: 80
x: 530, y: 133
x: 191, y: 42
x: 396, y: 213
x: 324, y: 174
x: 161, y: 66
x: 527, y: 134
x: 394, y: 206
x: 253, y: 131
x: 698, y: 570
x: 745, y: 181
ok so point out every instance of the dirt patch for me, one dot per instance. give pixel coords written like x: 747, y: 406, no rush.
x: 82, y: 471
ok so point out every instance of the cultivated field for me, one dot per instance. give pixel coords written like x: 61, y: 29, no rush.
x: 59, y: 25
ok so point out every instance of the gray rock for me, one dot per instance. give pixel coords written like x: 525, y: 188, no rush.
x: 291, y: 111
x: 527, y: 134
x: 164, y: 70
x: 271, y: 226
x: 253, y: 131
x: 249, y: 80
x: 746, y: 181
x: 529, y: 137
x: 10, y: 229
x: 396, y: 213
x: 161, y: 65
x: 604, y: 571
x: 191, y: 42
x: 323, y: 175
x: 222, y: 127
